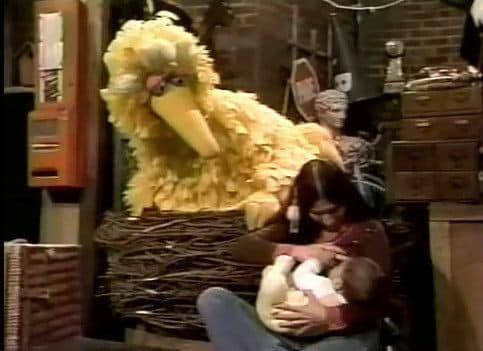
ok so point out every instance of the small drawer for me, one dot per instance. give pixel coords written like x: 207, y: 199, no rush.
x: 460, y: 127
x: 466, y: 99
x: 442, y: 102
x: 420, y: 129
x: 457, y: 156
x: 414, y: 103
x: 457, y: 185
x: 413, y: 156
x: 413, y: 186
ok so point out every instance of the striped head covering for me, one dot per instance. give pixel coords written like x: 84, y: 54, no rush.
x: 330, y: 107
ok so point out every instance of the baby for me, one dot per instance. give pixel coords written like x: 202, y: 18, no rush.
x: 353, y: 280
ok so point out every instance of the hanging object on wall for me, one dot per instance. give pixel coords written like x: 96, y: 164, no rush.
x: 394, y: 82
x: 349, y: 76
x: 55, y: 130
x: 305, y: 87
x: 24, y: 65
x: 219, y: 14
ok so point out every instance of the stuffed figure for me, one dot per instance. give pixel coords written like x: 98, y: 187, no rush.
x: 198, y: 147
x: 354, y: 280
x: 358, y: 154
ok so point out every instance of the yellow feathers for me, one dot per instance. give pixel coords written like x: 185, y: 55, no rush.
x: 198, y: 147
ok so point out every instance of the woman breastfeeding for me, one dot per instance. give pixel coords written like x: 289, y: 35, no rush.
x: 325, y: 218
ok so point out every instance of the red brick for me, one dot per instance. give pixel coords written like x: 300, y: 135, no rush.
x: 454, y: 39
x: 436, y: 60
x: 406, y: 24
x: 412, y: 42
x: 421, y: 33
x: 419, y: 15
x: 420, y: 52
x: 439, y: 41
x: 409, y: 6
x: 435, y: 23
x: 431, y: 7
x: 451, y: 30
x: 390, y: 34
x: 447, y: 50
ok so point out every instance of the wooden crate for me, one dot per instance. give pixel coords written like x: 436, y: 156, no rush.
x: 42, y: 295
x: 457, y: 255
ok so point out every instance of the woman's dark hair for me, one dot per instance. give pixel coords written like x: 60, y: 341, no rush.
x: 337, y: 189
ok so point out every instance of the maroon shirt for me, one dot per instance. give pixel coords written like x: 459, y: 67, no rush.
x: 366, y: 239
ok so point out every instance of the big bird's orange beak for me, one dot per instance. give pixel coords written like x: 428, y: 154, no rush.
x: 180, y: 110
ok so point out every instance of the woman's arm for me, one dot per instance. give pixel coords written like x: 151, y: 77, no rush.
x: 365, y: 239
x: 263, y: 245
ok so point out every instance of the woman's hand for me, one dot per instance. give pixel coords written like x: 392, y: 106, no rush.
x: 308, y: 320
x: 325, y: 253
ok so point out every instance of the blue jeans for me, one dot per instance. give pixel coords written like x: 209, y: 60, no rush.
x: 233, y: 325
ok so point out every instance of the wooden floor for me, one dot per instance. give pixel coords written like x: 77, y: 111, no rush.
x: 142, y: 338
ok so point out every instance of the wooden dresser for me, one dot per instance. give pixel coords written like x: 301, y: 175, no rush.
x: 456, y: 237
x: 437, y: 156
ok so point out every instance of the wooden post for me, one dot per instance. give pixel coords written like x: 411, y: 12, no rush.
x: 7, y: 45
x: 330, y: 56
x: 98, y: 146
x: 293, y: 53
x: 119, y: 170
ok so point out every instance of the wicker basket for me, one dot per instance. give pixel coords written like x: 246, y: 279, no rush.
x: 42, y: 294
x: 160, y: 262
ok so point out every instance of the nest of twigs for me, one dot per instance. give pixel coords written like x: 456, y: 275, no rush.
x: 159, y: 263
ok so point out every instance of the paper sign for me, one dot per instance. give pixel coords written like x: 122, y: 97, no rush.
x: 50, y: 57
x: 305, y: 87
x: 50, y: 27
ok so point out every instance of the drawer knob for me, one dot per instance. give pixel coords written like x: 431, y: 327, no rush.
x: 425, y: 124
x: 423, y: 98
x: 462, y: 122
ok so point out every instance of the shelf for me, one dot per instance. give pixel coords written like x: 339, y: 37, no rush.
x: 18, y: 90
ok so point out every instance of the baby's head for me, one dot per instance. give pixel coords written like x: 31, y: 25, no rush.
x: 358, y: 279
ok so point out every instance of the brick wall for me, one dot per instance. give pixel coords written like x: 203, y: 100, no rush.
x: 430, y: 30
x: 256, y: 53
x: 255, y: 49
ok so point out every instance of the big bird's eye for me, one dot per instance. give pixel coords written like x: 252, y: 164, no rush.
x: 179, y: 81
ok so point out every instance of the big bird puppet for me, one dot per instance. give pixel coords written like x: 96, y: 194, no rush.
x: 197, y: 147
